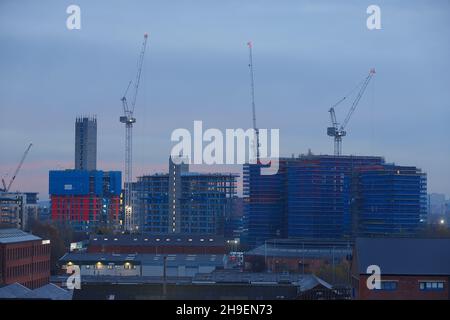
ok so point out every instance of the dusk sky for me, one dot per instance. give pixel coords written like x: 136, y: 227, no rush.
x: 307, y: 55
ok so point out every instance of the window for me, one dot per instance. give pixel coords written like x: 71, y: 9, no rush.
x: 431, y: 285
x: 388, y: 285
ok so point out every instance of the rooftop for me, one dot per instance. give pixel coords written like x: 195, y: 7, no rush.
x: 404, y: 256
x: 11, y: 235
x: 304, y: 281
x: 48, y: 292
x: 145, y: 259
x: 157, y: 240
x: 304, y: 249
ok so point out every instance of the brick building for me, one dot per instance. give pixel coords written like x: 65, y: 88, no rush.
x: 296, y: 255
x: 157, y: 244
x: 411, y: 269
x: 24, y: 258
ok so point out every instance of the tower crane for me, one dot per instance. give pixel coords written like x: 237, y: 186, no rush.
x: 338, y: 131
x: 128, y: 119
x: 6, y: 188
x: 252, y: 92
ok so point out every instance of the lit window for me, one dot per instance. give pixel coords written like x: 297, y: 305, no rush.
x: 431, y: 285
x: 388, y: 285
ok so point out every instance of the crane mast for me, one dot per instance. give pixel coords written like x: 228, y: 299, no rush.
x: 336, y: 131
x: 128, y: 119
x: 252, y: 92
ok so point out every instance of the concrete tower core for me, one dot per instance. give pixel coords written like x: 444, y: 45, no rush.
x: 86, y: 143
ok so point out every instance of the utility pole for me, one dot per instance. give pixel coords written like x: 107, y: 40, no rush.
x: 165, y: 278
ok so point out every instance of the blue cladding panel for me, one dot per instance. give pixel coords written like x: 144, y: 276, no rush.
x: 82, y: 182
x: 391, y: 201
x: 319, y: 195
x: 264, y: 205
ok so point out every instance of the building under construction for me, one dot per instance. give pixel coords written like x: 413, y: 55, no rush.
x: 184, y: 202
x: 85, y: 199
x: 332, y: 197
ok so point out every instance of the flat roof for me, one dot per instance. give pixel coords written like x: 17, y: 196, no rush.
x: 146, y: 259
x: 299, y: 251
x: 404, y: 256
x: 157, y: 240
x: 12, y: 235
x: 304, y: 281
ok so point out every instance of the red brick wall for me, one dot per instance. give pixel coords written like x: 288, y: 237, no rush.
x: 82, y: 208
x: 157, y: 249
x: 407, y: 289
x: 27, y: 263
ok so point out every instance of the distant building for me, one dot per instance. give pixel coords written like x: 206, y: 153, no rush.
x: 309, y: 197
x: 297, y: 256
x: 390, y: 201
x: 410, y: 268
x: 184, y: 202
x: 216, y: 285
x: 332, y: 197
x: 24, y: 258
x: 234, y: 223
x: 158, y: 244
x: 44, y: 213
x: 85, y: 199
x: 264, y: 205
x: 17, y: 209
x: 142, y: 265
x: 86, y: 143
x: 436, y: 203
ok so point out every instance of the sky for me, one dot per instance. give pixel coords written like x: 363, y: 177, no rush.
x: 307, y: 55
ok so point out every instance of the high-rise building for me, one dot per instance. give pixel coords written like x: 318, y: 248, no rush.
x: 85, y: 199
x: 390, y: 200
x: 319, y: 195
x: 332, y: 197
x: 17, y: 209
x: 184, y: 202
x: 175, y: 192
x: 264, y: 204
x: 86, y: 143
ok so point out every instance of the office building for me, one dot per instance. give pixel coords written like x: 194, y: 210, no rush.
x: 86, y: 143
x: 24, y: 259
